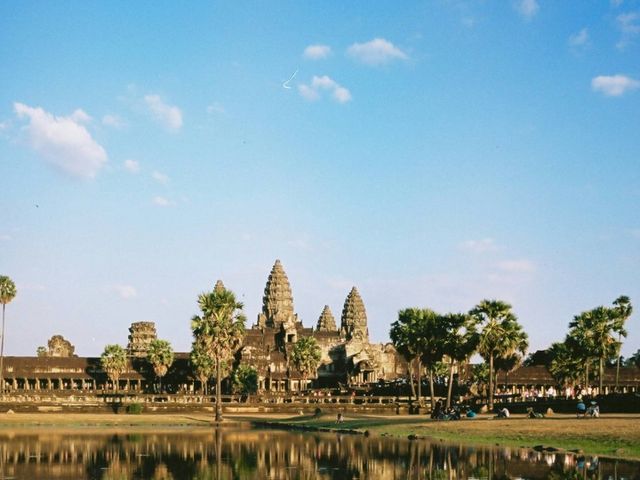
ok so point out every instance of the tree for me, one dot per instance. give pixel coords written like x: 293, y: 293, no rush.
x: 592, y: 333
x: 460, y: 342
x: 501, y: 335
x: 7, y: 293
x: 418, y: 337
x: 305, y: 356
x: 244, y: 380
x: 565, y: 364
x: 42, y: 351
x: 623, y: 309
x: 114, y: 362
x: 633, y: 360
x: 160, y: 356
x: 203, y: 365
x: 219, y: 331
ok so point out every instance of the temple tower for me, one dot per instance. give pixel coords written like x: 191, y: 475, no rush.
x: 277, y: 303
x: 354, y: 318
x: 141, y: 334
x: 326, y: 322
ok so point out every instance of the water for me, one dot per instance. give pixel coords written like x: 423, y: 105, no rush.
x: 236, y: 453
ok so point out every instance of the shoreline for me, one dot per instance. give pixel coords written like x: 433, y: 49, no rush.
x: 616, y: 436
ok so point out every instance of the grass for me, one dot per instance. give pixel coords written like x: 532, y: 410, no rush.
x: 614, y: 436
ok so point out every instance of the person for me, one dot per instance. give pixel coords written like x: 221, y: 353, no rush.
x: 471, y: 414
x: 532, y: 414
x: 503, y: 413
x: 437, y: 411
x: 581, y: 409
x: 593, y: 410
x: 339, y: 418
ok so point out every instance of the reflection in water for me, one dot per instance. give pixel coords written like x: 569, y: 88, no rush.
x: 233, y: 453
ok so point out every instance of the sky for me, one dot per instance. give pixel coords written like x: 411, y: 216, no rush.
x: 431, y: 153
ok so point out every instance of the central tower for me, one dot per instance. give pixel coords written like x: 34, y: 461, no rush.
x: 277, y: 302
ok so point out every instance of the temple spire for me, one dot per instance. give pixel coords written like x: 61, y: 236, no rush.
x: 277, y: 303
x: 354, y: 318
x: 326, y: 322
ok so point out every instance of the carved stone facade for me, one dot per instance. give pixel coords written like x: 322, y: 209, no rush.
x: 141, y: 334
x: 348, y: 358
x: 59, y: 347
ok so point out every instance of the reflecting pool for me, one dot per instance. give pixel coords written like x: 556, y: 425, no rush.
x: 237, y: 453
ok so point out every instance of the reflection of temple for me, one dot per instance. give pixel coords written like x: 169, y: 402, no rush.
x: 347, y: 355
x: 198, y: 453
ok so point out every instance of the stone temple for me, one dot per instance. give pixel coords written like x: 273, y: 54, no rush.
x: 348, y: 357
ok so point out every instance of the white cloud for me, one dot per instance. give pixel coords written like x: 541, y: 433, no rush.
x: 317, y: 52
x: 159, y: 201
x: 376, y: 52
x: 5, y: 237
x: 131, y: 166
x: 63, y: 141
x: 160, y: 177
x: 517, y: 266
x: 324, y: 83
x: 527, y: 8
x: 113, y: 121
x: 629, y: 25
x: 614, y: 85
x: 479, y: 246
x: 125, y: 291
x: 168, y: 115
x: 579, y: 39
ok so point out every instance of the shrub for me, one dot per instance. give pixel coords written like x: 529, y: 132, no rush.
x: 134, y: 408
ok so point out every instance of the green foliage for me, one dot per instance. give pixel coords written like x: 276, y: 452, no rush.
x: 305, y: 356
x: 41, y: 351
x: 135, y: 408
x: 244, y: 380
x: 160, y: 355
x: 633, y: 360
x: 114, y: 362
x: 7, y: 290
x: 501, y: 336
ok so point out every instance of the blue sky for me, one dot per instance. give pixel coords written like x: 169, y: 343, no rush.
x: 431, y: 153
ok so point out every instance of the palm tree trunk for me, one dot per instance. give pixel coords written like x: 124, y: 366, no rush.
x: 218, y: 388
x: 450, y: 384
x: 413, y: 387
x: 601, y: 374
x: 586, y: 374
x: 419, y: 381
x: 2, y: 353
x: 431, y: 396
x: 618, y: 362
x: 491, y: 382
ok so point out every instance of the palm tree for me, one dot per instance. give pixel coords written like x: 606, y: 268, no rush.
x: 501, y: 335
x: 160, y: 355
x: 431, y: 336
x: 114, y: 362
x: 305, y: 356
x: 623, y: 309
x: 566, y: 365
x: 414, y: 336
x: 219, y: 331
x: 7, y: 293
x: 203, y: 365
x: 460, y: 342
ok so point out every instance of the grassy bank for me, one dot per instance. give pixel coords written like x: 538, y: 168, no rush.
x: 615, y: 436
x: 102, y: 420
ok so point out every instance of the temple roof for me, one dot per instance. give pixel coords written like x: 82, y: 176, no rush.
x: 354, y: 317
x: 277, y: 303
x: 326, y: 322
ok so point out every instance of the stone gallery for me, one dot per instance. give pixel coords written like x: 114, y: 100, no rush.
x: 348, y: 357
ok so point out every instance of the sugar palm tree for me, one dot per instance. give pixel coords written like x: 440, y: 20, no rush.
x: 501, y: 335
x: 305, y: 356
x: 460, y: 342
x: 7, y: 293
x: 114, y: 362
x: 402, y: 336
x: 623, y: 309
x: 203, y: 365
x: 565, y: 365
x: 219, y: 331
x: 431, y: 336
x: 160, y: 355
